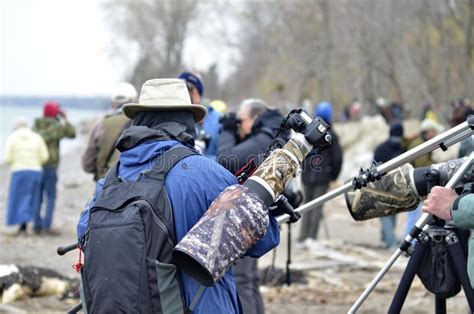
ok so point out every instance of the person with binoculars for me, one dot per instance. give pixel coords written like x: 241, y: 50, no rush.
x: 245, y: 135
x: 53, y: 127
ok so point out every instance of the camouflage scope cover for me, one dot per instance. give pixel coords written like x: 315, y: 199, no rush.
x: 282, y: 164
x: 234, y: 222
x: 448, y: 169
x: 391, y: 195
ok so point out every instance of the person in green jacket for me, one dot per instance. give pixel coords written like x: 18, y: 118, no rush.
x: 52, y: 127
x: 446, y: 204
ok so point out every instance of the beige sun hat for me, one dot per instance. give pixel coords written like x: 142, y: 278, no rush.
x: 164, y: 94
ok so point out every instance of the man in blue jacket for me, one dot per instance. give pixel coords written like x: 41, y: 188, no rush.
x: 164, y: 118
x: 210, y: 125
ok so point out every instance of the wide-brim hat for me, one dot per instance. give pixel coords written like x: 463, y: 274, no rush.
x: 164, y: 94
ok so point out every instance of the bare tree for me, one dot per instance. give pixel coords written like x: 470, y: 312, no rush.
x: 156, y: 30
x: 415, y: 52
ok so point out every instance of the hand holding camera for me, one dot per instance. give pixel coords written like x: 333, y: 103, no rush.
x: 230, y: 122
x: 62, y: 114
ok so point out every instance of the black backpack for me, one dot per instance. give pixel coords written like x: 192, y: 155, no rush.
x: 128, y: 264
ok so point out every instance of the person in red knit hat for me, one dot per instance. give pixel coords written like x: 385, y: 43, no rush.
x: 53, y: 126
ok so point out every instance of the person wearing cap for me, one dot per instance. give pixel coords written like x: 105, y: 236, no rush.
x: 52, y: 127
x: 318, y: 170
x: 209, y: 128
x: 390, y: 149
x: 164, y: 118
x: 25, y: 154
x: 100, y: 153
x: 428, y: 130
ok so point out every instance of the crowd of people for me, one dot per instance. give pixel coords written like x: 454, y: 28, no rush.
x: 126, y: 145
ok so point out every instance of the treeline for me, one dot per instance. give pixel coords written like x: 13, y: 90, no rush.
x: 414, y: 52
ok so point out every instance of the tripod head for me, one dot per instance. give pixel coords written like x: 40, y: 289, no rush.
x: 282, y: 206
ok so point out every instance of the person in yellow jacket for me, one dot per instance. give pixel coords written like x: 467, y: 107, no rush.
x: 25, y: 153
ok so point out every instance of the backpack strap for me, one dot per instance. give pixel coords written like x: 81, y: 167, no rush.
x: 196, y: 298
x: 168, y: 160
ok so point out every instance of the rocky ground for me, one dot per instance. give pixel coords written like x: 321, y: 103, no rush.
x: 336, y: 269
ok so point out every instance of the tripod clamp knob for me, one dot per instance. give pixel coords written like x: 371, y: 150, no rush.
x: 470, y: 121
x: 365, y: 176
x: 452, y: 238
x: 281, y: 206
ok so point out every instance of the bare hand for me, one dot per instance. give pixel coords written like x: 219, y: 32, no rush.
x: 439, y: 202
x: 62, y: 113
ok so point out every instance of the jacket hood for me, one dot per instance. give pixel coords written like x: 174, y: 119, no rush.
x: 135, y: 135
x: 145, y: 153
x: 140, y: 144
x: 269, y: 119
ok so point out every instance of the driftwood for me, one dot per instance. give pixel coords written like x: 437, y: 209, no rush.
x: 17, y: 282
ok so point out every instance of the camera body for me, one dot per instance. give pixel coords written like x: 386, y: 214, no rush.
x: 316, y: 131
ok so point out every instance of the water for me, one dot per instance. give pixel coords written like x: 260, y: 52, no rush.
x: 11, y: 110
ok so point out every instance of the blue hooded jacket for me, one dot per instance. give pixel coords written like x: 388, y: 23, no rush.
x: 212, y: 126
x: 191, y: 185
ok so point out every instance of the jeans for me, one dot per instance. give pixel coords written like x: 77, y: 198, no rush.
x: 50, y: 179
x: 388, y: 224
x: 412, y: 218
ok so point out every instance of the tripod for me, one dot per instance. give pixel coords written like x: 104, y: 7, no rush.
x: 282, y: 206
x: 406, y: 242
x: 436, y: 233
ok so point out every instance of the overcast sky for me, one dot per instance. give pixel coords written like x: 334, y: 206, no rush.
x: 58, y: 47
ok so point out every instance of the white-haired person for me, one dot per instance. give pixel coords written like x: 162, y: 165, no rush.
x: 25, y: 154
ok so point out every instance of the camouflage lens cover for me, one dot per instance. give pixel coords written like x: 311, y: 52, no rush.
x: 280, y: 167
x: 449, y: 168
x: 391, y: 195
x: 234, y: 222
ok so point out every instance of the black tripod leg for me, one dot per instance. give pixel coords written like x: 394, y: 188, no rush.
x: 440, y: 305
x: 460, y: 267
x: 407, y: 278
x: 76, y: 308
x: 288, y: 260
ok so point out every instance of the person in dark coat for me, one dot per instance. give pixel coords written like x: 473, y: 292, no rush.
x: 389, y: 149
x: 319, y: 169
x: 243, y: 137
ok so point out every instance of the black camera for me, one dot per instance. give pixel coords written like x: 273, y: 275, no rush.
x: 230, y: 121
x: 316, y: 131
